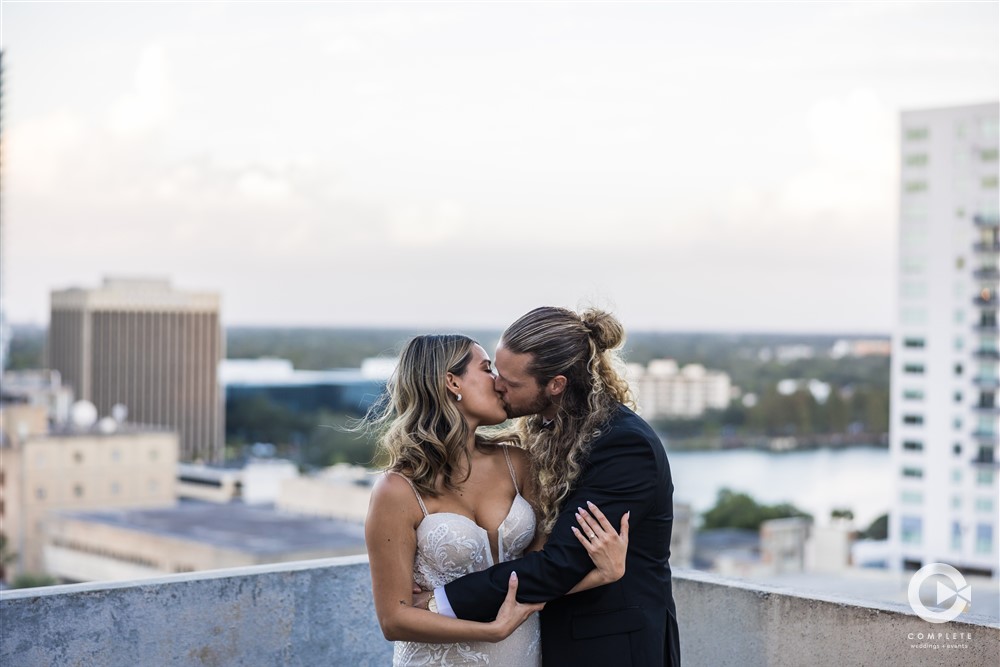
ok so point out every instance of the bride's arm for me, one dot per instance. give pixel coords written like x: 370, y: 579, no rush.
x: 390, y: 535
x: 607, y: 549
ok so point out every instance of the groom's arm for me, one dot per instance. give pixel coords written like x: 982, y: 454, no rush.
x: 622, y: 476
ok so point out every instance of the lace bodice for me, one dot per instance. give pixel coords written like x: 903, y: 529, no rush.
x: 451, y: 545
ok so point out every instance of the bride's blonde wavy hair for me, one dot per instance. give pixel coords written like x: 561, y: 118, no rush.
x: 585, y: 348
x: 421, y: 433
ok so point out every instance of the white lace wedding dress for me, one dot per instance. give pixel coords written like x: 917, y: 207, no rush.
x: 451, y: 545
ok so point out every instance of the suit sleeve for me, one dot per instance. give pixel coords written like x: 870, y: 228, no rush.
x: 621, y: 476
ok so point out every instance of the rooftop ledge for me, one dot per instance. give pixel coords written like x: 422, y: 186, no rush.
x: 320, y: 612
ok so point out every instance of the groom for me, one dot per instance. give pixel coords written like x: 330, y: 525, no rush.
x: 554, y: 368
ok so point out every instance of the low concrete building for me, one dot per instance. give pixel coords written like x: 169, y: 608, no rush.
x: 210, y: 484
x: 114, y: 545
x: 45, y: 470
x: 341, y: 491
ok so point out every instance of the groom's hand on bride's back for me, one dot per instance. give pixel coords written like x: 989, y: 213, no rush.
x: 421, y: 597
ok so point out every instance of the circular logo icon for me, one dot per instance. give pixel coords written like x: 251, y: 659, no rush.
x: 960, y: 593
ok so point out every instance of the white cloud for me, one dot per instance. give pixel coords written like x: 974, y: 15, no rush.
x: 150, y: 103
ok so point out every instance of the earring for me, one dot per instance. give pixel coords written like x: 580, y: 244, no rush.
x: 458, y: 397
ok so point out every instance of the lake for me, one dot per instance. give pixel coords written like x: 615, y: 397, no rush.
x: 815, y: 480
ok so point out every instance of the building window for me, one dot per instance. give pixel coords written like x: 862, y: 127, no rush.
x: 956, y: 502
x: 915, y: 473
x: 78, y: 490
x: 989, y: 182
x: 956, y: 536
x: 915, y: 186
x: 957, y: 423
x: 40, y: 493
x: 78, y: 457
x: 913, y: 266
x: 958, y: 369
x: 154, y: 454
x: 913, y: 394
x: 984, y: 505
x: 913, y: 369
x: 913, y: 446
x: 116, y: 455
x: 913, y: 419
x: 956, y: 449
x: 911, y: 529
x: 958, y: 397
x: 912, y: 497
x: 956, y: 475
x: 984, y: 477
x: 984, y: 538
x: 913, y: 343
x: 913, y: 316
x: 988, y: 155
x: 916, y: 133
x: 115, y: 488
x: 915, y: 160
x: 959, y: 343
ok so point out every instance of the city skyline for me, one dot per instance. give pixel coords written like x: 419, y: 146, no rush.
x: 720, y: 167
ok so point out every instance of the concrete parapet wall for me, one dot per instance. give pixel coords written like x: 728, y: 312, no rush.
x: 320, y: 613
x: 725, y: 622
x: 301, y: 614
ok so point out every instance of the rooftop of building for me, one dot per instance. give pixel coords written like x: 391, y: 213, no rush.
x: 259, y: 530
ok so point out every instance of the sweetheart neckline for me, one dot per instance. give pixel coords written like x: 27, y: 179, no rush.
x: 473, y: 521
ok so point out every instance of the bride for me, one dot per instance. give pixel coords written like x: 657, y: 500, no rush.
x: 453, y: 501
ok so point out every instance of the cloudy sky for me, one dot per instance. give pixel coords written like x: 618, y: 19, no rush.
x: 692, y: 166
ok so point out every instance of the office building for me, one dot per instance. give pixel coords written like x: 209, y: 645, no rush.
x: 153, y: 349
x: 944, y: 410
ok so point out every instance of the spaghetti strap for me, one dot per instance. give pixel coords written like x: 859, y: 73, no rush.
x: 510, y: 465
x: 423, y: 508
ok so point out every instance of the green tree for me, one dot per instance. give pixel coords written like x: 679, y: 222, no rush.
x: 735, y: 509
x: 877, y: 530
x: 33, y: 580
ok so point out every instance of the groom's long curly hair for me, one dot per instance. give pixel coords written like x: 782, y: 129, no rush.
x: 585, y: 348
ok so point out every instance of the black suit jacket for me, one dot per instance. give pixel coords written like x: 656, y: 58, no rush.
x: 630, y: 622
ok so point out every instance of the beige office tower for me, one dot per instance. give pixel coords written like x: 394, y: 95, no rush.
x: 153, y: 349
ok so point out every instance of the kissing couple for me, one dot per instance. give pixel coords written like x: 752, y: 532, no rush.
x: 499, y: 546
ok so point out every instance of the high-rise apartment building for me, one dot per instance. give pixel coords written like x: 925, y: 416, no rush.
x: 944, y: 409
x: 4, y: 325
x: 149, y: 347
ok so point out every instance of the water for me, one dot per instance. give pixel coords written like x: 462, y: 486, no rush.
x: 817, y: 480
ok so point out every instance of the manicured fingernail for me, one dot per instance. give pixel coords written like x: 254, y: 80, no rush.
x: 513, y: 575
x: 590, y: 504
x: 579, y: 509
x: 628, y: 513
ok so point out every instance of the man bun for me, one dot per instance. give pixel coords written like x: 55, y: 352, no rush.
x: 605, y: 329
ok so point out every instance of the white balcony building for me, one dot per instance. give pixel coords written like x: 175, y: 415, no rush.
x: 944, y: 414
x: 662, y: 389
